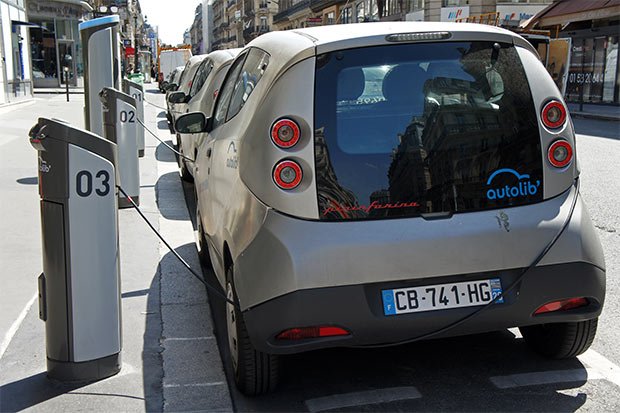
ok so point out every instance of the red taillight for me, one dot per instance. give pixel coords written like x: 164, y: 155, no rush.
x: 311, y: 332
x: 560, y: 153
x: 554, y: 114
x: 562, y: 305
x: 287, y: 174
x: 285, y: 133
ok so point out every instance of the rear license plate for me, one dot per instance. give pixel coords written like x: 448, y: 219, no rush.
x: 441, y: 296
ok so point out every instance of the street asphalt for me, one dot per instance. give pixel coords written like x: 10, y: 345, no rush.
x: 172, y: 328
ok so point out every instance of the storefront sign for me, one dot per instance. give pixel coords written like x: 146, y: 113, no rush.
x: 54, y: 9
x: 450, y: 14
x: 129, y: 51
x: 519, y: 12
x: 314, y: 21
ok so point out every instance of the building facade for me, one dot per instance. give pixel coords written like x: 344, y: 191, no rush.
x: 55, y: 41
x: 592, y: 30
x: 196, y: 33
x: 15, y: 69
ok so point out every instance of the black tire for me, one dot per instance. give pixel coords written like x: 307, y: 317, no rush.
x: 203, y: 246
x: 560, y: 340
x: 185, y: 175
x: 255, y: 372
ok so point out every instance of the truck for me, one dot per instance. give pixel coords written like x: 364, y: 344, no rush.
x: 169, y: 58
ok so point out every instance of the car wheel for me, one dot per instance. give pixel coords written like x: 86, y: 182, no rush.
x: 560, y: 340
x: 203, y: 247
x: 185, y: 175
x: 255, y: 372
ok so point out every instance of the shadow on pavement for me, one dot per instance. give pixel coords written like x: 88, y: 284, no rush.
x: 152, y: 367
x: 164, y: 154
x: 31, y: 391
x: 28, y: 181
x: 168, y: 193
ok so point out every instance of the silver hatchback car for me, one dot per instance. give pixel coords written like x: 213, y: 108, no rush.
x: 377, y: 184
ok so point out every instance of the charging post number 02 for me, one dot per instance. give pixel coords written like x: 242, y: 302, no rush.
x: 127, y: 116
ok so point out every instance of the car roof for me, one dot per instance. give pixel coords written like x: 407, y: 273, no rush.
x: 222, y: 56
x: 290, y: 43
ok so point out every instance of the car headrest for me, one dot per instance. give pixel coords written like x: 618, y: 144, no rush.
x: 351, y: 83
x: 404, y: 83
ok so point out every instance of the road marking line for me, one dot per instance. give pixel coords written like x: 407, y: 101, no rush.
x: 545, y: 377
x: 15, y: 326
x: 605, y: 367
x: 175, y: 386
x: 339, y: 401
x: 188, y: 338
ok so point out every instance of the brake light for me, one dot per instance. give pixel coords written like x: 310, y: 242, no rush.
x: 554, y: 114
x: 311, y: 332
x: 287, y: 174
x: 562, y: 305
x: 285, y: 133
x: 560, y: 153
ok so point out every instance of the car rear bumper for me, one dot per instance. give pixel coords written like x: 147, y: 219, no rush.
x: 359, y: 309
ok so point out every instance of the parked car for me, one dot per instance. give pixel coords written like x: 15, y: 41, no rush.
x: 172, y: 86
x: 377, y: 184
x: 200, y: 97
x: 184, y: 85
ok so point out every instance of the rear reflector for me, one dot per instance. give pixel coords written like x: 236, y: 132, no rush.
x: 554, y: 114
x: 285, y: 133
x: 311, y: 332
x: 416, y: 37
x: 287, y: 175
x: 560, y: 153
x: 562, y: 305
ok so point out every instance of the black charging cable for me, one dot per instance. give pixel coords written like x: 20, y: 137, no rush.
x: 164, y: 143
x: 215, y: 290
x: 157, y: 106
x: 499, y: 296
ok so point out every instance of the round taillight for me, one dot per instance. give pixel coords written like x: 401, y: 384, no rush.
x: 560, y: 153
x: 285, y: 133
x: 287, y: 175
x: 554, y: 114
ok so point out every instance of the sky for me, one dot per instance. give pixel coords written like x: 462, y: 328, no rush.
x: 171, y: 16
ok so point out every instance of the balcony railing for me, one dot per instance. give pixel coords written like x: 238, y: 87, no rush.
x: 292, y: 10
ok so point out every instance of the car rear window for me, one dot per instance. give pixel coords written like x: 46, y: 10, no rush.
x: 437, y: 128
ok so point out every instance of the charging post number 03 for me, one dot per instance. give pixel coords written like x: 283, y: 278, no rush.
x: 86, y: 184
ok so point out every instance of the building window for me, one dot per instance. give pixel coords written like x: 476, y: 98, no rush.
x: 347, y: 15
x: 330, y: 17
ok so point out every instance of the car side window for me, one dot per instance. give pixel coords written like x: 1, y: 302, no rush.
x: 251, y: 73
x: 201, y: 77
x: 226, y: 91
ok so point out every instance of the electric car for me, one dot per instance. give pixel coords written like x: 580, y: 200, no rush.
x: 172, y: 86
x: 200, y: 97
x: 377, y: 184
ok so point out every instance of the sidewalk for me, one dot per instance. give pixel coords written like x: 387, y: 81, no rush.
x: 594, y: 111
x: 170, y: 359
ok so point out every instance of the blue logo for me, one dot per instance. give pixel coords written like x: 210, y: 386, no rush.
x: 523, y: 187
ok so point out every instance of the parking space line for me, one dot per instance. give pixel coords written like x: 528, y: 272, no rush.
x: 188, y: 338
x: 602, y: 365
x: 15, y: 326
x: 545, y: 377
x: 339, y: 401
x: 212, y: 384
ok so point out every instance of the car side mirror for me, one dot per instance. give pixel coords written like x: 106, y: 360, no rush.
x: 176, y: 97
x: 172, y: 87
x: 193, y: 122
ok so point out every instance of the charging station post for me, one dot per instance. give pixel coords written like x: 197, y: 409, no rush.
x: 121, y: 126
x: 102, y: 67
x: 136, y: 91
x: 79, y: 290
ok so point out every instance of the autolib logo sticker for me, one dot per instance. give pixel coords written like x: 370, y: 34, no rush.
x: 523, y: 187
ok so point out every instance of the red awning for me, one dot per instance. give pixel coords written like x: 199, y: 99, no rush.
x: 567, y: 11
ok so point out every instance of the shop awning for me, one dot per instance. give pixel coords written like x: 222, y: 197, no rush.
x: 568, y: 11
x: 27, y: 24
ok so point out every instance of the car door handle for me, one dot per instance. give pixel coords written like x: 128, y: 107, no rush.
x: 208, y: 152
